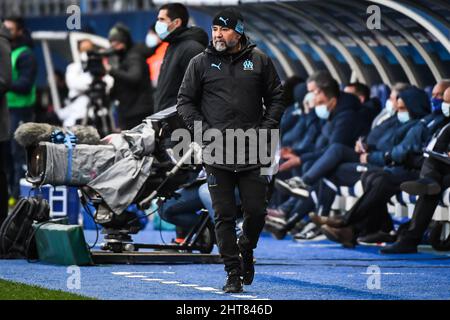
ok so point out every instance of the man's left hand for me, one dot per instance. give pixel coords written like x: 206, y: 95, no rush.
x: 292, y: 161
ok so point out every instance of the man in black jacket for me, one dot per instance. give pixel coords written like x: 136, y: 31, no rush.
x: 184, y: 44
x: 5, y: 82
x: 21, y: 96
x: 224, y: 88
x: 132, y: 87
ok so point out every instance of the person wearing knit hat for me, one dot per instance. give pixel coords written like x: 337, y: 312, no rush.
x: 231, y: 24
x: 132, y: 87
x: 234, y: 86
x: 120, y: 37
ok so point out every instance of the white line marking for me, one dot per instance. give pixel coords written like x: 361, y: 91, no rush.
x: 243, y: 296
x: 187, y: 285
x: 170, y: 282
x: 120, y: 273
x: 206, y: 289
x: 149, y: 279
x: 135, y: 276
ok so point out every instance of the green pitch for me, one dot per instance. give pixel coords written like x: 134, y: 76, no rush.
x: 17, y: 291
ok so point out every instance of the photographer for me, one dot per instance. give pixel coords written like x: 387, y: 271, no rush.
x: 132, y: 87
x: 78, y: 81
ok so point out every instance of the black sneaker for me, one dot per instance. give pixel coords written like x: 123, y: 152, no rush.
x: 377, y: 238
x: 247, y: 262
x: 294, y: 186
x: 399, y: 247
x: 420, y: 187
x: 248, y: 267
x: 234, y: 282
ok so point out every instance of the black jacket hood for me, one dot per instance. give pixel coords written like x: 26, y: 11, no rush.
x: 416, y: 101
x: 346, y: 102
x: 192, y: 33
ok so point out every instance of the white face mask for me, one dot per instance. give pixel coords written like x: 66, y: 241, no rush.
x: 445, y: 106
x: 403, y: 116
x: 151, y: 40
x: 162, y: 29
x: 390, y: 107
x: 322, y: 111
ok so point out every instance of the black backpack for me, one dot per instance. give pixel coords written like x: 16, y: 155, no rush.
x: 16, y: 232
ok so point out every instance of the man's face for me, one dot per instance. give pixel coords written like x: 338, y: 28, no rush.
x: 117, y: 45
x: 393, y: 98
x: 311, y: 86
x: 13, y: 29
x: 224, y: 38
x: 171, y: 24
x: 401, y: 106
x: 352, y: 90
x: 438, y: 91
x: 447, y: 95
x: 322, y: 99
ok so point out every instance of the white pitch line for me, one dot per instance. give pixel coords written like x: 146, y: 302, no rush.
x: 150, y: 279
x: 187, y: 285
x: 178, y: 283
x: 206, y: 289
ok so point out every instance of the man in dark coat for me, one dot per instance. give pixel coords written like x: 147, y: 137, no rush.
x: 5, y: 82
x: 21, y: 96
x: 224, y: 89
x: 132, y: 87
x: 184, y: 44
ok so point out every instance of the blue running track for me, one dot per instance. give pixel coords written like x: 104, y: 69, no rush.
x: 285, y: 270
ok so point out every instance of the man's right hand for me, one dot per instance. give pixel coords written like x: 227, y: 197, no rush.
x: 292, y: 161
x: 360, y: 146
x: 284, y: 151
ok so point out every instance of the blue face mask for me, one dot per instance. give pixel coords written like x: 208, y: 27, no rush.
x: 436, y: 105
x: 322, y: 111
x: 403, y: 116
x: 162, y: 29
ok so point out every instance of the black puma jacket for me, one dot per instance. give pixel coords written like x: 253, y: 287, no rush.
x: 238, y: 91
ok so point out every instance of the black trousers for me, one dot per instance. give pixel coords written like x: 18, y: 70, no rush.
x: 253, y: 191
x: 3, y: 184
x: 370, y: 213
x: 426, y: 205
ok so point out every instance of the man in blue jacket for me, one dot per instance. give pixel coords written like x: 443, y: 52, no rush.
x: 369, y: 216
x: 344, y: 124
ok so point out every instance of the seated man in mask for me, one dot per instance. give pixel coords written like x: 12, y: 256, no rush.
x: 435, y: 178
